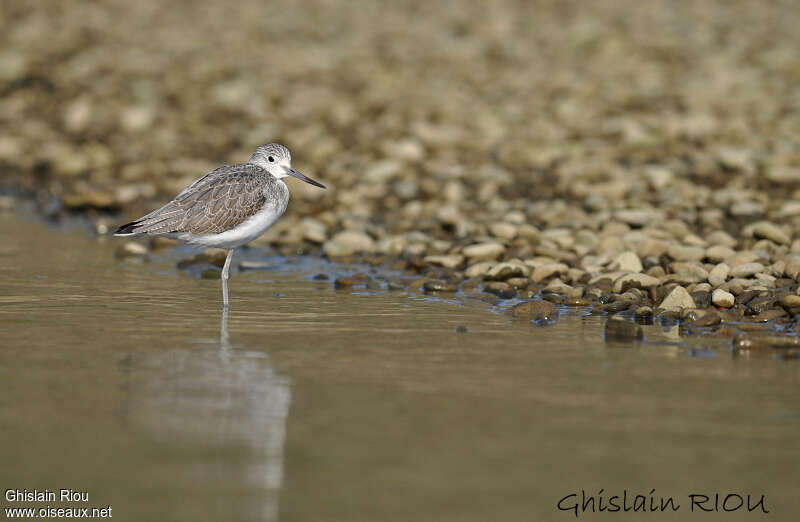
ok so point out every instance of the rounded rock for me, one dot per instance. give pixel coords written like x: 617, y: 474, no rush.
x: 347, y: 243
x: 677, y: 300
x: 535, y: 310
x: 619, y: 329
x: 719, y: 274
x: 747, y: 270
x: 489, y: 251
x: 722, y: 299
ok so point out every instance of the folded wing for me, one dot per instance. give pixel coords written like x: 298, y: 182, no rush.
x: 214, y: 203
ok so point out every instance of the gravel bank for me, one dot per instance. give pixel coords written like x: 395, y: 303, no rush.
x: 620, y: 155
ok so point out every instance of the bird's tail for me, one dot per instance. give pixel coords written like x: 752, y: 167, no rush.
x: 128, y: 229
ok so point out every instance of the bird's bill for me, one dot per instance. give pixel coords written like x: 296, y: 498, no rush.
x: 305, y: 178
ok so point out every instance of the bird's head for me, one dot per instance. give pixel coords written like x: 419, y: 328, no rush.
x: 277, y: 160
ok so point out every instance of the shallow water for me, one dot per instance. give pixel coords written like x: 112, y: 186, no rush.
x: 123, y: 379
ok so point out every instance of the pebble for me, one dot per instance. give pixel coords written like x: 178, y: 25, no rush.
x: 344, y: 282
x: 755, y: 342
x: 722, y: 299
x: 520, y: 283
x: 719, y: 274
x: 488, y: 250
x: 634, y: 280
x: 746, y: 270
x: 719, y: 253
x: 709, y: 318
x: 478, y: 269
x: 542, y: 272
x: 535, y: 310
x: 686, y: 253
x: 503, y: 230
x: 447, y: 261
x: 792, y: 268
x: 791, y: 300
x: 347, y: 243
x: 628, y: 262
x: 677, y: 300
x: 625, y: 330
x: 767, y: 230
x: 689, y: 272
x: 617, y: 306
x: 500, y: 289
x: 503, y: 271
x: 759, y: 304
x: 437, y: 285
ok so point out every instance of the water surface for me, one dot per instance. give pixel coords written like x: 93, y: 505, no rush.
x: 122, y: 378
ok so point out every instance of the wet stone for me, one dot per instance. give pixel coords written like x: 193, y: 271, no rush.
x: 758, y: 305
x: 616, y: 306
x: 553, y: 298
x: 622, y: 330
x: 320, y: 277
x: 374, y: 285
x: 709, y: 318
x: 437, y: 285
x: 500, y: 289
x: 488, y: 298
x: 643, y: 312
x: 345, y: 282
x: 520, y: 283
x: 577, y: 301
x: 669, y: 317
x: 755, y: 342
x: 395, y: 285
x: 211, y: 273
x: 701, y: 299
x: 769, y: 315
x: 747, y: 296
x: 535, y: 311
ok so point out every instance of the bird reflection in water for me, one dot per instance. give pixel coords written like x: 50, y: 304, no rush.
x: 230, y: 406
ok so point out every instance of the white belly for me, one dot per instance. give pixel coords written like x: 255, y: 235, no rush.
x: 244, y: 232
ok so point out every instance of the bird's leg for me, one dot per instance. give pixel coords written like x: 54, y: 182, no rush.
x: 225, y: 276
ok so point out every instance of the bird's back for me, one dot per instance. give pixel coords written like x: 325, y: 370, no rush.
x: 217, y: 202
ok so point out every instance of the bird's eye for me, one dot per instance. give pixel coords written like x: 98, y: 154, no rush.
x: 271, y: 159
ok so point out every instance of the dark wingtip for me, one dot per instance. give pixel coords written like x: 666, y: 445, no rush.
x: 126, y: 229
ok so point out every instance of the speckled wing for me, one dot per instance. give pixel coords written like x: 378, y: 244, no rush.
x: 214, y: 203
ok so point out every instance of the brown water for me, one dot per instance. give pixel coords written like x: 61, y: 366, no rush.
x: 124, y: 380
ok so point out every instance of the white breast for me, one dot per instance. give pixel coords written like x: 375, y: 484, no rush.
x: 246, y: 231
